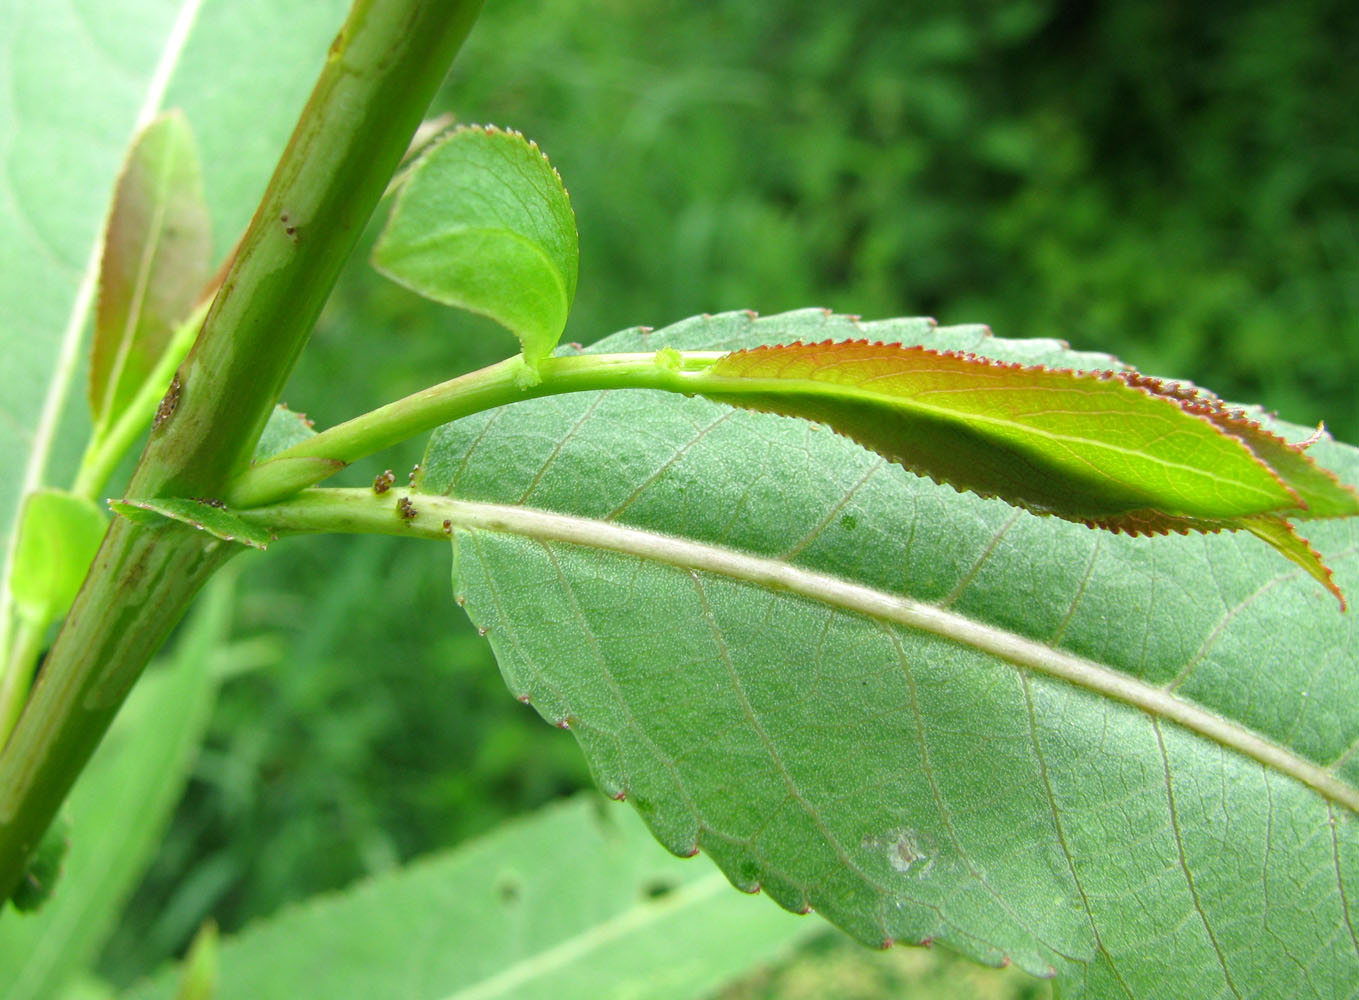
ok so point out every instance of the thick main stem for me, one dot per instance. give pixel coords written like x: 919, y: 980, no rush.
x: 380, y: 74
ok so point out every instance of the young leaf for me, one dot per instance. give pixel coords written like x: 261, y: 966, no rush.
x: 1117, y: 759
x: 157, y: 258
x: 58, y: 537
x: 482, y: 222
x: 1111, y: 449
x: 573, y: 901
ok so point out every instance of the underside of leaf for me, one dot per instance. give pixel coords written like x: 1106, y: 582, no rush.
x: 913, y: 783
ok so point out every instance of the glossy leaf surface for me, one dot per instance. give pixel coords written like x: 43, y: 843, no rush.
x: 157, y: 259
x: 1122, y: 760
x: 574, y: 901
x: 482, y: 222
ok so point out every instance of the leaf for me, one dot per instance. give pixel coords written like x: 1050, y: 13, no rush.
x: 1111, y: 449
x: 482, y: 222
x: 574, y: 901
x: 203, y: 513
x: 284, y: 429
x: 1123, y: 760
x: 118, y: 809
x: 58, y: 537
x: 81, y: 80
x: 157, y: 259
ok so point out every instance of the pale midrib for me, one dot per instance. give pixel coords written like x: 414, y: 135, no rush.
x: 69, y: 353
x: 545, y: 963
x: 837, y: 592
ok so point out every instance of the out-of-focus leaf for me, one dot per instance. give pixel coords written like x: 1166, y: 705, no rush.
x: 204, y: 514
x: 117, y: 810
x: 574, y: 901
x: 482, y: 222
x: 157, y: 258
x: 1121, y: 760
x: 58, y: 537
x: 1111, y: 449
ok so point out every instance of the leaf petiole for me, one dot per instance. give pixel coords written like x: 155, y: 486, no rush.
x: 497, y: 385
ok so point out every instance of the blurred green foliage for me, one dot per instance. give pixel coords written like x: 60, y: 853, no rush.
x: 1176, y: 185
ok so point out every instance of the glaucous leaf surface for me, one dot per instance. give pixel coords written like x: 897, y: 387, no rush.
x: 157, y: 259
x: 482, y: 222
x: 81, y: 78
x: 117, y: 811
x: 1123, y: 761
x: 573, y: 901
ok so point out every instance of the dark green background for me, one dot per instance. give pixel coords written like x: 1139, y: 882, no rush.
x: 1176, y: 184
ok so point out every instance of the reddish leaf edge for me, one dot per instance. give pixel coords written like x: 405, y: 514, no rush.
x: 1268, y: 449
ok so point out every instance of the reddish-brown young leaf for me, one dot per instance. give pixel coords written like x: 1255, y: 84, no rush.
x: 157, y: 259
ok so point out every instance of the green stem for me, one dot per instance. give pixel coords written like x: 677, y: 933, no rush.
x: 316, y: 458
x: 381, y: 71
x: 108, y: 445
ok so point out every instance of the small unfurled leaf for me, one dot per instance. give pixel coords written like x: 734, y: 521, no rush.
x: 204, y: 513
x: 59, y: 533
x: 1111, y: 449
x: 482, y: 222
x: 157, y: 259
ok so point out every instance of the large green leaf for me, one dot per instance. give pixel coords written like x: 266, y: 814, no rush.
x: 924, y: 714
x: 79, y: 79
x: 574, y: 901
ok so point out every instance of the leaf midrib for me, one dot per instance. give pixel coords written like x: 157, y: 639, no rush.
x: 834, y: 591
